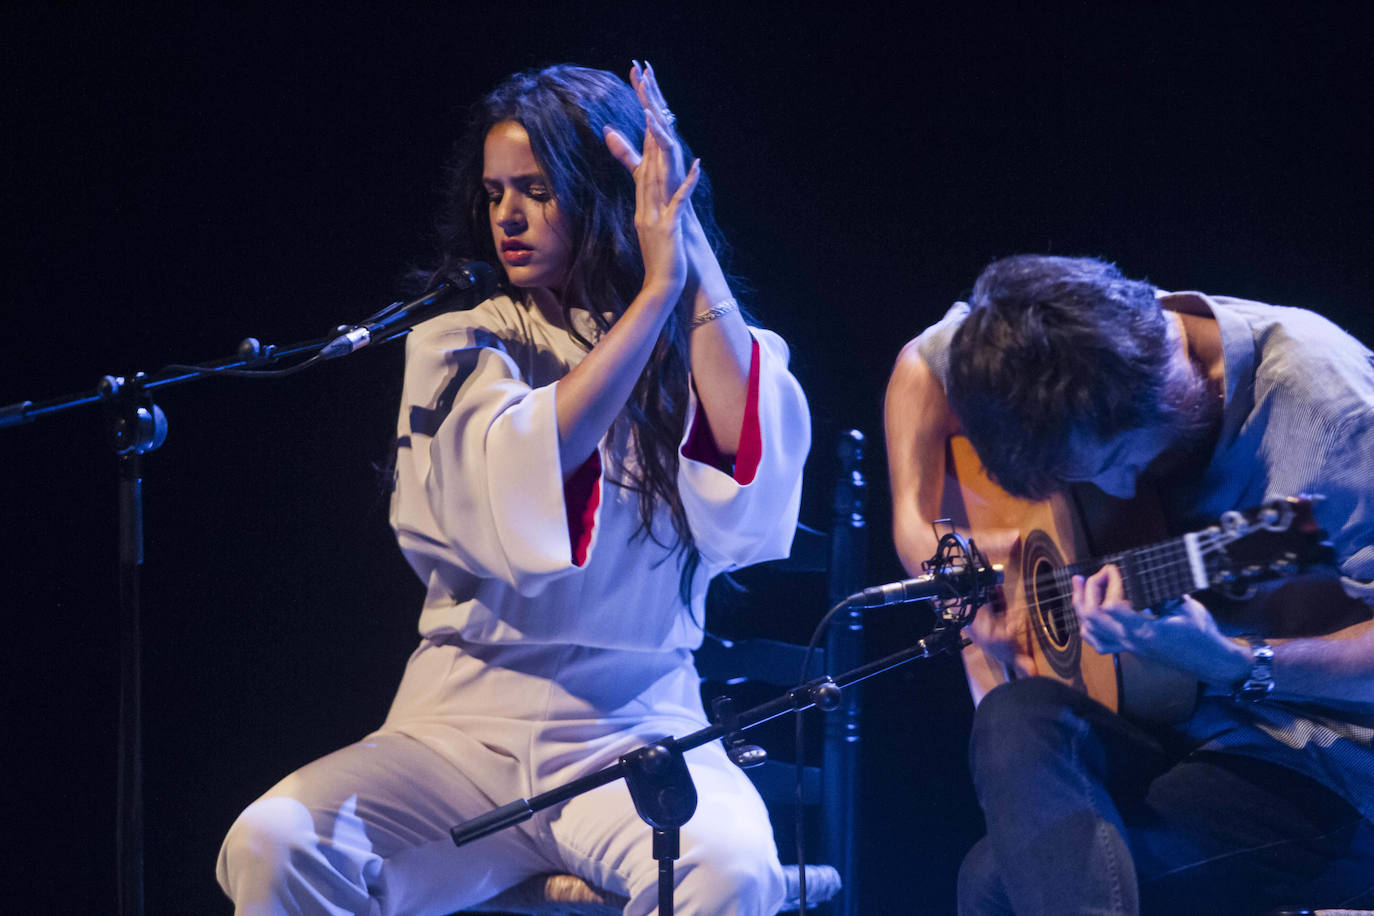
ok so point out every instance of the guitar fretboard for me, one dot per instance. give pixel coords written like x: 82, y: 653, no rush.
x: 1152, y: 575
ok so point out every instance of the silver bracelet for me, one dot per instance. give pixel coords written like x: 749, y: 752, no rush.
x: 724, y: 307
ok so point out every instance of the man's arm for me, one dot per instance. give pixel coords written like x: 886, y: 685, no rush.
x: 1338, y: 667
x: 917, y: 422
x: 1335, y: 670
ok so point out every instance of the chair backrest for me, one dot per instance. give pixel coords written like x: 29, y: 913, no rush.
x: 822, y: 569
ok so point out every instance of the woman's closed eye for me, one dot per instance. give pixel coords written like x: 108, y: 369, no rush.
x: 537, y: 190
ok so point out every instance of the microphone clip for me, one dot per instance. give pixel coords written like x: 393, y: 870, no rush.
x: 958, y: 559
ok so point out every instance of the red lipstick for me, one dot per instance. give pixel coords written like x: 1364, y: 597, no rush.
x: 516, y: 253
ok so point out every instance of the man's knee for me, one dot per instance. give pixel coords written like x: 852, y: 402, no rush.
x: 1009, y: 705
x: 980, y: 886
x: 1018, y: 717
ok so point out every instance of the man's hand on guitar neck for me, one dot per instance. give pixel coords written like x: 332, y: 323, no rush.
x: 1188, y: 639
x: 1335, y: 670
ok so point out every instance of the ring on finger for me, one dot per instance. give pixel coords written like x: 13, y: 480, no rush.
x: 668, y: 116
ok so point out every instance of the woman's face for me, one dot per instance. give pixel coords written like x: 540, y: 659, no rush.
x: 529, y: 232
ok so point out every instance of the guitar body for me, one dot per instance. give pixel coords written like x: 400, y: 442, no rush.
x: 1037, y: 613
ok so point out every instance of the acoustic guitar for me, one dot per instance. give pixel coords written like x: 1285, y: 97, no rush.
x: 1223, y: 565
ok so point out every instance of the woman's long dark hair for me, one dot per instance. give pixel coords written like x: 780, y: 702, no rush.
x: 564, y: 110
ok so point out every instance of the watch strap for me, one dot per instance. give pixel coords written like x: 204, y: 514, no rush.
x: 1260, y: 683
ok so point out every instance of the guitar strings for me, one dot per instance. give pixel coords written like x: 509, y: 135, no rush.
x: 1058, y: 610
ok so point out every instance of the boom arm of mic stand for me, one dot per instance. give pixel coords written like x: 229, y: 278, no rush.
x: 517, y: 812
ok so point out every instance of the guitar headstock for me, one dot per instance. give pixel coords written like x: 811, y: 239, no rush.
x: 1278, y: 539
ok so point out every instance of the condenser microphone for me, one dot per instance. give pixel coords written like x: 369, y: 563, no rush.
x: 943, y: 583
x: 463, y: 288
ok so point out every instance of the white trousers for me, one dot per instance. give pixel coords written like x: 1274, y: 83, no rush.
x: 365, y: 829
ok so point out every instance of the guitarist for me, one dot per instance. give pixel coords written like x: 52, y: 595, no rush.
x: 1063, y: 373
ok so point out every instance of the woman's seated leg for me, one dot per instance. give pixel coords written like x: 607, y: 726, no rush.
x: 365, y: 830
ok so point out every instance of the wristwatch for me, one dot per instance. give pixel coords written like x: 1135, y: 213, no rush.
x: 1260, y: 683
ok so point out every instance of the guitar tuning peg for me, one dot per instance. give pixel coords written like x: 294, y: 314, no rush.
x: 1233, y: 523
x: 1285, y: 566
x: 1277, y: 515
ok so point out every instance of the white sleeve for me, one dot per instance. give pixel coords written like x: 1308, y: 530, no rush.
x: 478, y: 476
x: 738, y: 523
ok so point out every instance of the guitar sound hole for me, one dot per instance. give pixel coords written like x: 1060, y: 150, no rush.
x: 1055, y: 608
x: 1051, y: 611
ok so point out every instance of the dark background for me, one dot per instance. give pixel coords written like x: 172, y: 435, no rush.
x: 176, y: 181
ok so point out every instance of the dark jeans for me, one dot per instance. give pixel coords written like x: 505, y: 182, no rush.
x: 1088, y: 814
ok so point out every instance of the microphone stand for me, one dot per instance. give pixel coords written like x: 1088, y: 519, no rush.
x: 657, y: 776
x: 136, y: 427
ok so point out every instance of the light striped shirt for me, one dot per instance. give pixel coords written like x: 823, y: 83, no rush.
x: 1298, y: 418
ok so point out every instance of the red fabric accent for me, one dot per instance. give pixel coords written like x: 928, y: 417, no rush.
x: 750, y: 436
x: 581, y: 496
x: 701, y: 444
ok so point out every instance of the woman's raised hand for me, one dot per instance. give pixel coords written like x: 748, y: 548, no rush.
x: 659, y: 121
x: 662, y: 121
x: 678, y: 255
x: 661, y: 189
x: 659, y: 218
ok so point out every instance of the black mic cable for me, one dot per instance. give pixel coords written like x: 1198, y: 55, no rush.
x: 959, y: 574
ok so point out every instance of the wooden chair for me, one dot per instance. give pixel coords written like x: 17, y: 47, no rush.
x: 822, y: 569
x: 569, y: 895
x: 836, y: 561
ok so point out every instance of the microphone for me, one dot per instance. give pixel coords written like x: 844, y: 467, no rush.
x: 462, y: 289
x: 943, y: 583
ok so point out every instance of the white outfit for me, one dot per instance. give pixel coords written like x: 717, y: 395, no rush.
x: 554, y: 640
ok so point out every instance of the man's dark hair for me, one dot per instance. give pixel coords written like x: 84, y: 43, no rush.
x: 1056, y: 349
